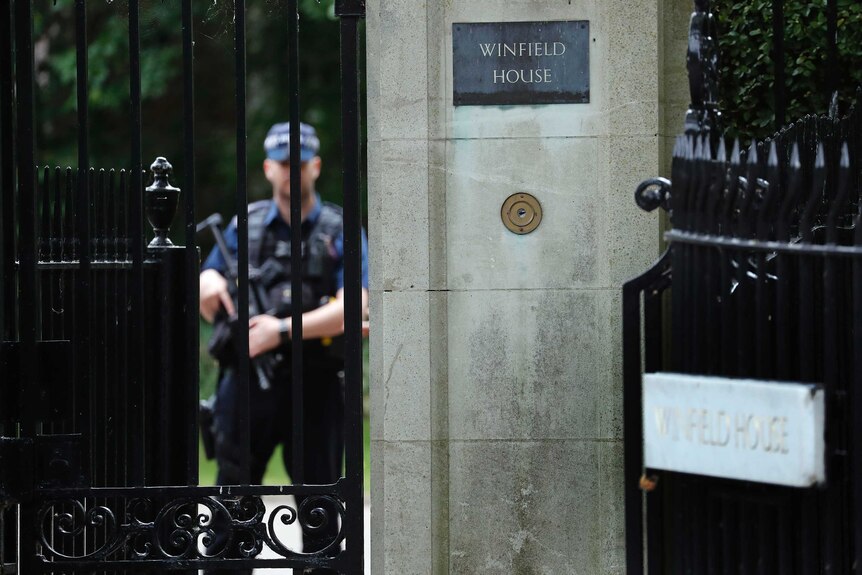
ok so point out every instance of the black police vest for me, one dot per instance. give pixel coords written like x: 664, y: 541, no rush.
x: 319, y: 259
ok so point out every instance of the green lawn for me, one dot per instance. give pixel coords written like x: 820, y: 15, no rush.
x: 275, y: 474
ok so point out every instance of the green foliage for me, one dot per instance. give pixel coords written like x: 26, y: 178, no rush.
x: 162, y: 90
x: 747, y: 68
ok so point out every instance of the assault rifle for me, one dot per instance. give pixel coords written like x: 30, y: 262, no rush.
x: 222, y: 345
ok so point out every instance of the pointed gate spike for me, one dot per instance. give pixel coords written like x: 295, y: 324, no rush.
x: 795, y: 163
x: 820, y: 162
x: 773, y: 155
x: 721, y: 154
x: 679, y: 147
x: 752, y: 153
x: 734, y: 155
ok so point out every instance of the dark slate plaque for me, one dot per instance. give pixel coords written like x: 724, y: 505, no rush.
x: 505, y: 63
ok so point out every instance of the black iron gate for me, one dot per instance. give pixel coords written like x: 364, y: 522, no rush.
x: 762, y: 280
x: 99, y: 356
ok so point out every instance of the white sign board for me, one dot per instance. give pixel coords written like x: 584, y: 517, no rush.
x: 770, y: 432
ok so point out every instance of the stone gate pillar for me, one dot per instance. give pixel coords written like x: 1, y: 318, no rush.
x: 495, y: 357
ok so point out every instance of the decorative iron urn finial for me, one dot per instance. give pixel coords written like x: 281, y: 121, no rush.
x: 161, y: 202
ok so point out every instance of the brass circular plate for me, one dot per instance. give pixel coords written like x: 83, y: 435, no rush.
x: 521, y: 213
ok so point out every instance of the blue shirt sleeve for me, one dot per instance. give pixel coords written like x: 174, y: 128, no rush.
x: 214, y: 260
x: 339, y: 268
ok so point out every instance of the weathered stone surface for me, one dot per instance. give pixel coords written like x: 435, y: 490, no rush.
x: 531, y: 364
x: 530, y: 507
x: 400, y: 385
x: 400, y: 230
x: 398, y: 81
x: 401, y: 506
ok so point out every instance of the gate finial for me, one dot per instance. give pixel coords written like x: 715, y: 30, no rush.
x: 702, y: 64
x: 161, y: 202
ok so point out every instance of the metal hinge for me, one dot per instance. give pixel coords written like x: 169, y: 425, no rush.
x: 354, y: 8
x: 28, y: 464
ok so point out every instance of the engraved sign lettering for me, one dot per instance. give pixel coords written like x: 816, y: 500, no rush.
x: 771, y: 432
x: 510, y: 63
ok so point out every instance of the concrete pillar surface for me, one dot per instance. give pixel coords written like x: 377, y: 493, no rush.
x: 496, y: 358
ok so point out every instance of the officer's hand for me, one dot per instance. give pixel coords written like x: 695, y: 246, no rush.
x: 263, y: 334
x: 214, y: 294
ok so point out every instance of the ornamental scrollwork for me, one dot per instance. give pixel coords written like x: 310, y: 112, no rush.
x: 198, y: 529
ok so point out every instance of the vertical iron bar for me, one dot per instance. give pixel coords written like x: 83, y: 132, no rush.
x: 856, y: 398
x: 632, y: 426
x: 785, y: 359
x: 43, y: 293
x: 56, y: 256
x: 829, y: 513
x: 25, y: 139
x: 98, y: 319
x: 778, y: 62
x: 125, y: 418
x: 713, y: 534
x: 298, y: 464
x: 27, y: 253
x: 762, y: 300
x: 806, y: 345
x: 191, y: 253
x: 682, y: 525
x: 350, y: 135
x: 698, y: 521
x: 69, y: 217
x: 729, y: 556
x: 111, y: 334
x: 89, y: 390
x: 744, y: 288
x: 783, y: 533
x: 766, y: 540
x: 137, y: 380
x: 44, y: 215
x: 832, y: 69
x: 745, y: 532
x: 632, y: 400
x: 242, y: 241
x: 653, y: 315
x: 832, y: 531
x: 57, y: 217
x: 82, y: 224
x: 7, y: 176
x: 700, y: 277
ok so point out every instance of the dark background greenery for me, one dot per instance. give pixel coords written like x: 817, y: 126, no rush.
x: 162, y: 89
x: 747, y: 69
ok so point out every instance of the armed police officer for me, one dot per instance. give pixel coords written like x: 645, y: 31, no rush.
x: 269, y: 238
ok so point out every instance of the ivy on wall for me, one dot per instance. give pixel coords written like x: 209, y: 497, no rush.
x: 747, y: 68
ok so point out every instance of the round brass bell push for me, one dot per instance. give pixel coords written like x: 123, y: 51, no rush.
x: 521, y: 213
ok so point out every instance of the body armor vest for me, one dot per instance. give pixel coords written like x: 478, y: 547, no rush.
x: 319, y: 258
